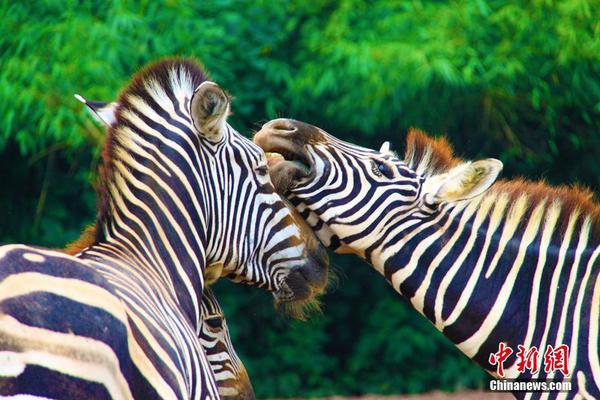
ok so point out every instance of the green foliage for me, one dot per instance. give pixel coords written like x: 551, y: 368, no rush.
x: 515, y: 80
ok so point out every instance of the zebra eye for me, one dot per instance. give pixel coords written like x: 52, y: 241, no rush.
x: 215, y: 322
x: 381, y: 169
x: 375, y: 168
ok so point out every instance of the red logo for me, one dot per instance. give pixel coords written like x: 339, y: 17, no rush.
x: 554, y: 359
x: 527, y: 359
x: 500, y: 357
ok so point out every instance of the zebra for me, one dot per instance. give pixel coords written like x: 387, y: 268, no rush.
x: 230, y: 374
x: 512, y: 262
x: 180, y: 189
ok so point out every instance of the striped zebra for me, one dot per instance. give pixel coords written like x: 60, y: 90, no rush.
x: 179, y: 190
x: 230, y: 374
x: 513, y: 263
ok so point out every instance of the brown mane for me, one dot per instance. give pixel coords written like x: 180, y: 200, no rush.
x: 435, y: 155
x: 572, y: 199
x: 87, y: 238
x: 159, y: 73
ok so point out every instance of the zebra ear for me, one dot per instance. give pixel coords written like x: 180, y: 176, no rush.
x: 464, y: 181
x: 385, y: 147
x: 105, y: 113
x: 213, y: 272
x: 209, y: 109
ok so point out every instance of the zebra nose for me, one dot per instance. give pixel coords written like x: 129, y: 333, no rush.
x: 309, y: 279
x: 298, y: 286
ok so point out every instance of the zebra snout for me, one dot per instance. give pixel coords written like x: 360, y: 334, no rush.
x: 297, y: 286
x: 282, y: 125
x: 307, y: 280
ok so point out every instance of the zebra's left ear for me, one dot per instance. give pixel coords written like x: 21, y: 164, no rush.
x: 105, y: 113
x: 209, y: 109
x: 462, y: 182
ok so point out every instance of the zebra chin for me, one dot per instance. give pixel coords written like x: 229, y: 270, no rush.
x: 237, y: 388
x: 298, y: 290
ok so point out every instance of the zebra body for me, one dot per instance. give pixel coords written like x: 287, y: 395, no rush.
x: 230, y: 374
x: 180, y: 190
x: 516, y: 263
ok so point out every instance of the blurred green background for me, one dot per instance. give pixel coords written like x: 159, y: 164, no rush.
x: 516, y: 80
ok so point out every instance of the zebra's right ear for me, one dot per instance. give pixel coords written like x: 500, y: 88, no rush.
x: 462, y: 182
x: 209, y: 109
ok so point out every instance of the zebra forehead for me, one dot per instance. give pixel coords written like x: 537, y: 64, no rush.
x: 171, y: 80
x: 425, y: 154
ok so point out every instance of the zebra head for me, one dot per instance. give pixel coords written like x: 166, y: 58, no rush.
x: 177, y: 173
x: 230, y: 374
x: 349, y: 193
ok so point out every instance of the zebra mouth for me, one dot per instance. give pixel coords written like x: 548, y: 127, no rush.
x: 290, y: 159
x: 304, y: 282
x: 295, y: 287
x: 284, y: 294
x: 287, y: 158
x: 284, y: 171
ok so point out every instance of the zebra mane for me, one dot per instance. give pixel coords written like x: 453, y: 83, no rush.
x: 85, y: 240
x: 572, y: 200
x: 173, y: 78
x: 428, y: 155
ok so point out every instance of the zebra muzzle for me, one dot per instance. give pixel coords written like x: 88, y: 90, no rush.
x: 287, y: 157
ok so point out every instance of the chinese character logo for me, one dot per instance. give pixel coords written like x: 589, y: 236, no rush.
x: 527, y: 360
x: 554, y: 359
x: 500, y: 357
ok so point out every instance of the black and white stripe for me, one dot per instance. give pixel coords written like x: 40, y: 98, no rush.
x: 230, y: 374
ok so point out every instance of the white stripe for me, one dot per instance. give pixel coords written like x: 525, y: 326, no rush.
x: 554, y: 287
x: 80, y: 357
x: 483, y: 208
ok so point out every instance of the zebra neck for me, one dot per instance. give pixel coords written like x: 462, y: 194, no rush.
x: 482, y: 270
x: 164, y: 261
